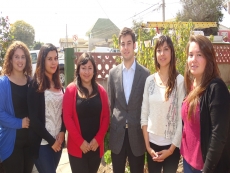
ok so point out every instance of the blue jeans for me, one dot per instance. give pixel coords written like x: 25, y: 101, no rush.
x: 48, y: 159
x: 188, y: 168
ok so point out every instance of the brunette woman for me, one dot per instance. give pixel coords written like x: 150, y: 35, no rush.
x: 86, y: 116
x: 205, y: 112
x: 45, y: 111
x: 160, y: 116
x: 14, y: 122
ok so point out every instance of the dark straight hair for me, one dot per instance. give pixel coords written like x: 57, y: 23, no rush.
x: 82, y: 60
x: 40, y: 77
x: 172, y: 73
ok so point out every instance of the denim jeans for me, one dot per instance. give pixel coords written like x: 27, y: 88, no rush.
x: 188, y: 168
x: 48, y: 159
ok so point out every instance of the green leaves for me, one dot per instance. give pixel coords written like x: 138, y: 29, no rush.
x: 5, y: 36
x: 107, y: 157
x: 179, y: 34
x: 24, y: 32
x: 202, y: 11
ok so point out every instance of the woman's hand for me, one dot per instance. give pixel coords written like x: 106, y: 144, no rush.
x: 93, y: 144
x: 85, y: 147
x: 60, y: 137
x: 56, y: 146
x: 162, y: 155
x: 153, y: 154
x: 25, y: 122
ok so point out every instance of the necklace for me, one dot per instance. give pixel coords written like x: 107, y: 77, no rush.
x: 163, y: 82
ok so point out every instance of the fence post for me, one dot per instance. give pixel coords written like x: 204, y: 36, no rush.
x: 69, y: 65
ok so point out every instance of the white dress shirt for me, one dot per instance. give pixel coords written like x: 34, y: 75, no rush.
x: 128, y: 76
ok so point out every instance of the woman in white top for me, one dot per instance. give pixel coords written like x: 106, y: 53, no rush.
x: 160, y: 117
x: 45, y: 111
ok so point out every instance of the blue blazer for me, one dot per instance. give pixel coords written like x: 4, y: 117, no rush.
x: 8, y: 122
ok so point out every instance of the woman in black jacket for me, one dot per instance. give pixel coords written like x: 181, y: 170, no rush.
x: 205, y: 112
x: 45, y: 111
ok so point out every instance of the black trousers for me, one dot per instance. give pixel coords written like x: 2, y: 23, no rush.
x: 136, y: 163
x: 20, y: 161
x: 169, y: 165
x: 89, y: 163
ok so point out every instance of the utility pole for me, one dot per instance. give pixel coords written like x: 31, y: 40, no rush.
x: 163, y: 10
x: 66, y: 37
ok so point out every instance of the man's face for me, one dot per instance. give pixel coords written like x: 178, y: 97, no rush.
x: 127, y: 47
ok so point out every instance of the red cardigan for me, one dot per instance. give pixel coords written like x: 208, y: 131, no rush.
x: 71, y: 121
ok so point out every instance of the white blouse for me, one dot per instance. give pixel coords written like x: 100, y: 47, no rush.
x: 53, y: 111
x: 163, y: 118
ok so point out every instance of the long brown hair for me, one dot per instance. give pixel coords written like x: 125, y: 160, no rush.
x: 7, y: 65
x: 211, y: 71
x: 82, y: 60
x: 172, y: 73
x: 40, y: 77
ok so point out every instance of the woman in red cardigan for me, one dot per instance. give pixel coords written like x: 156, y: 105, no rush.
x: 86, y: 116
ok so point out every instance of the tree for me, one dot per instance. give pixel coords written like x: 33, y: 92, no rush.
x: 179, y: 34
x: 202, y: 11
x: 24, y: 32
x: 37, y: 45
x: 145, y: 34
x: 5, y: 37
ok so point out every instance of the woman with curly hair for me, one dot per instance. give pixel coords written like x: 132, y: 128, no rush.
x: 14, y: 122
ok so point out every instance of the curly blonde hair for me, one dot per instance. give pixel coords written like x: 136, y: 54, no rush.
x: 7, y: 65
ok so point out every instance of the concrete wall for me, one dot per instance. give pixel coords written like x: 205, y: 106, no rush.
x: 103, y: 83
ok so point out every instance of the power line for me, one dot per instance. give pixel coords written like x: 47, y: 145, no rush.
x: 102, y: 9
x: 142, y: 2
x: 173, y: 2
x: 128, y: 18
x: 157, y: 8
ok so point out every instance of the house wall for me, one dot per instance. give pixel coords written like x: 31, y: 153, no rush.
x: 92, y: 41
x: 225, y: 72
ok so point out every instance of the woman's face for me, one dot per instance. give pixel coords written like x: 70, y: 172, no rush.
x: 86, y: 72
x: 18, y: 60
x: 163, y: 55
x: 51, y: 63
x: 196, y: 61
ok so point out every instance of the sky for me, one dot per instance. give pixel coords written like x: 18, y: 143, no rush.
x: 54, y: 19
